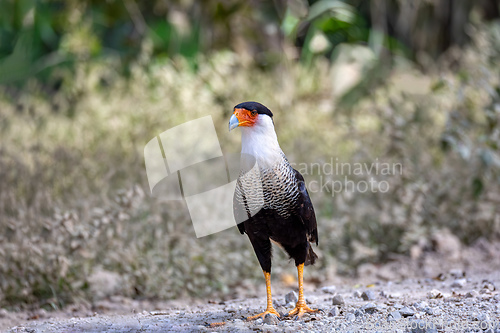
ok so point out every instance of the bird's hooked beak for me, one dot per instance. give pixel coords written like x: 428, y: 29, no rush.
x: 233, y: 122
x: 243, y: 118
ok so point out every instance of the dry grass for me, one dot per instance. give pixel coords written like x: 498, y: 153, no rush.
x: 74, y: 197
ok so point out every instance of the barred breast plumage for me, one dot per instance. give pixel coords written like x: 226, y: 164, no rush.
x: 270, y: 187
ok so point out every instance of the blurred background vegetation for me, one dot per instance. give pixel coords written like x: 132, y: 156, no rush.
x: 86, y: 84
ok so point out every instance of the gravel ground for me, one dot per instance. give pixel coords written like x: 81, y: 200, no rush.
x: 450, y: 289
x: 452, y: 302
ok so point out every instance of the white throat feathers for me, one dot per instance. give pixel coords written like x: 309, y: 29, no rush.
x: 261, y: 142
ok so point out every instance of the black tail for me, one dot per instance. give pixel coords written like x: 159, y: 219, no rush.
x: 311, y: 256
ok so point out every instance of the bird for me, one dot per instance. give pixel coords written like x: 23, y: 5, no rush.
x: 271, y: 202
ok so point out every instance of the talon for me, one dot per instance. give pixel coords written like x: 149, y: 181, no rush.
x: 263, y: 314
x: 300, y: 309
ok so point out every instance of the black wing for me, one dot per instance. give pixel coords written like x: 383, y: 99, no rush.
x: 306, y: 210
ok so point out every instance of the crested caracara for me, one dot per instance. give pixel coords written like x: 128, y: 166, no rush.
x: 271, y: 202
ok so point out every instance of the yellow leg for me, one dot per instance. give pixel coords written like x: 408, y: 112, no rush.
x: 270, y: 308
x: 301, y: 306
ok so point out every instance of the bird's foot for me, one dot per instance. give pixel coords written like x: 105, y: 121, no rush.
x: 263, y: 314
x: 300, y: 309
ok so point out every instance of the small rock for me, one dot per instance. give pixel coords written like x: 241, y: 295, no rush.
x: 3, y: 313
x: 357, y: 294
x: 291, y: 297
x: 281, y: 310
x: 329, y: 289
x: 437, y: 311
x: 420, y: 326
x: 393, y: 316
x: 368, y: 295
x: 459, y: 283
x: 271, y: 319
x: 338, y: 300
x: 457, y: 273
x: 421, y: 306
x: 407, y: 312
x: 480, y: 316
x: 334, y: 312
x: 311, y: 300
x: 430, y: 311
x: 472, y: 293
x: 395, y: 295
x: 369, y: 308
x: 359, y: 313
x: 350, y: 317
x: 42, y: 313
x: 434, y: 293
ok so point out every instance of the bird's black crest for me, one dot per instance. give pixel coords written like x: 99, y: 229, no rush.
x: 261, y: 109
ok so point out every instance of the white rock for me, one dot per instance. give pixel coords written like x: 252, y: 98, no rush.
x: 329, y: 289
x: 434, y: 293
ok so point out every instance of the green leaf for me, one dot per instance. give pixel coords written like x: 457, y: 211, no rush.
x: 336, y: 8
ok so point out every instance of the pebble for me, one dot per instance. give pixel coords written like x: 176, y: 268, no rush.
x: 420, y: 326
x: 434, y: 293
x: 271, y: 319
x: 406, y: 311
x: 472, y: 293
x: 334, y: 312
x: 459, y: 283
x: 357, y: 294
x: 311, y: 300
x: 433, y: 311
x: 338, y: 300
x: 480, y: 316
x: 393, y: 316
x: 421, y: 306
x: 329, y: 289
x: 350, y: 317
x: 281, y: 310
x: 359, y: 313
x: 291, y: 297
x: 369, y: 308
x: 457, y: 273
x: 3, y: 313
x: 368, y: 295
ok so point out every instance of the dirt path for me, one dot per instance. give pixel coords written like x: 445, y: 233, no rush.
x: 454, y: 303
x: 456, y: 291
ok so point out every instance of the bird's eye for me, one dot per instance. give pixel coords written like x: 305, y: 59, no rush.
x: 254, y: 113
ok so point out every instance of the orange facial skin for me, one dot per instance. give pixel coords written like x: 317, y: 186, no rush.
x: 246, y: 117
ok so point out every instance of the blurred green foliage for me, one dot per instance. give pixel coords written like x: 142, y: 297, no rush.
x: 37, y: 36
